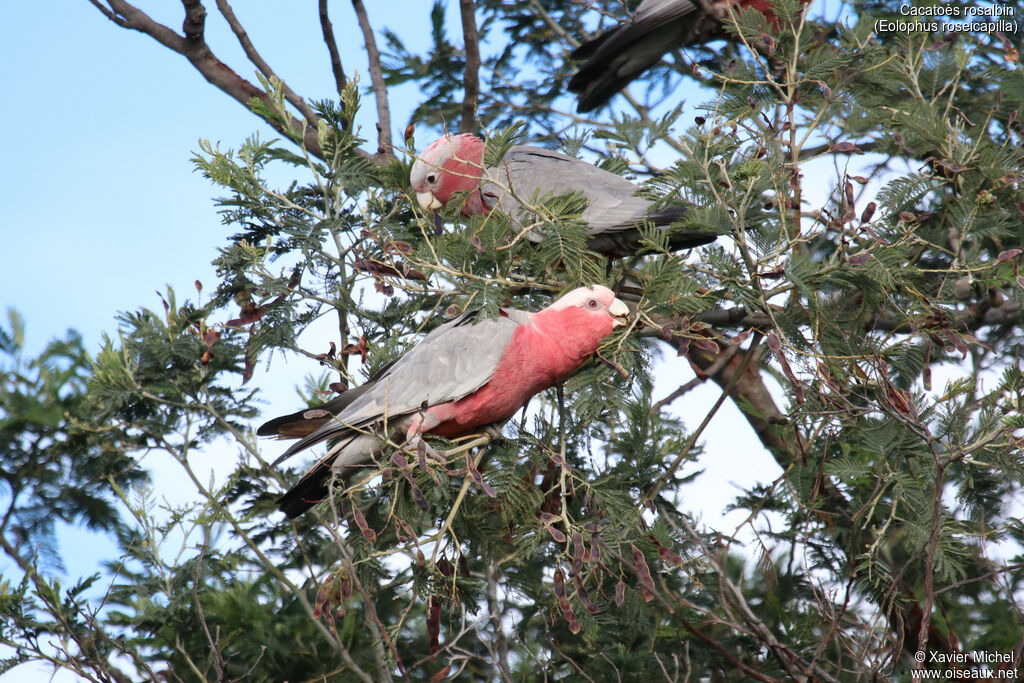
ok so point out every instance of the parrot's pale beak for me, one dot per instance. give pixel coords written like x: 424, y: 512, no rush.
x: 428, y: 201
x: 620, y: 312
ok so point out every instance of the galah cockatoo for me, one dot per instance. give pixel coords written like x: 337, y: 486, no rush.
x: 617, y: 56
x: 526, y: 174
x: 466, y: 375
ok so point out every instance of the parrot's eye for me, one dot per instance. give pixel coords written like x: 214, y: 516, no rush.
x: 592, y: 304
x: 432, y: 178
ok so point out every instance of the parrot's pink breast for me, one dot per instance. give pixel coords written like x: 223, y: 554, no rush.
x: 532, y: 362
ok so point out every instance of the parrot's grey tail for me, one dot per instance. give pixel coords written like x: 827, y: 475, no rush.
x: 345, y: 460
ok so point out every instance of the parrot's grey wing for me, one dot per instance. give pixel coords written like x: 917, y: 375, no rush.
x: 454, y: 360
x: 527, y: 174
x: 443, y: 367
x: 317, y: 423
x: 619, y: 55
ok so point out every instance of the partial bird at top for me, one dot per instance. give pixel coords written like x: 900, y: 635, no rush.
x: 525, y: 174
x: 618, y: 56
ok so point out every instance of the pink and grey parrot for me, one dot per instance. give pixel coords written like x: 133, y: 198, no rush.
x: 525, y: 174
x: 619, y: 55
x: 466, y: 375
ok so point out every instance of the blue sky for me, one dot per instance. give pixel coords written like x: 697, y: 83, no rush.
x: 102, y: 208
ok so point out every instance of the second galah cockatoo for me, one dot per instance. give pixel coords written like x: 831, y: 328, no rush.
x: 622, y: 53
x: 526, y: 174
x: 466, y: 375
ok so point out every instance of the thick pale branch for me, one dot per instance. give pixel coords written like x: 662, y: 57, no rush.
x: 380, y: 90
x: 129, y: 16
x: 332, y: 47
x: 471, y: 76
x: 751, y: 394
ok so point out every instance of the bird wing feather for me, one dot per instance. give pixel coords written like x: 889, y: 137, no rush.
x: 650, y: 16
x: 622, y: 53
x: 451, y: 362
x: 527, y: 174
x: 448, y: 364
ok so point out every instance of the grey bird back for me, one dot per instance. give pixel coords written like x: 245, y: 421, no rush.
x: 451, y: 362
x: 527, y: 174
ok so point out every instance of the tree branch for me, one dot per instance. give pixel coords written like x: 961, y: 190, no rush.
x: 722, y: 359
x: 471, y: 76
x: 971, y: 319
x: 748, y: 390
x: 332, y: 47
x: 501, y: 643
x: 194, y: 26
x: 193, y: 47
x: 108, y: 13
x: 780, y: 437
x: 766, y: 416
x: 380, y: 91
x: 215, y: 651
x: 812, y: 152
x: 129, y: 16
x: 260, y: 63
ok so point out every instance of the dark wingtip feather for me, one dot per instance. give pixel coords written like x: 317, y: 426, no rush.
x: 315, y: 486
x: 309, y: 491
x: 307, y: 420
x: 596, y: 88
x: 689, y: 240
x: 269, y: 428
x: 328, y: 430
x: 587, y: 49
x: 292, y: 426
x: 592, y: 81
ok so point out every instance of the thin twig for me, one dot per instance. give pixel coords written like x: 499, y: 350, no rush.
x: 107, y: 13
x: 929, y: 561
x: 218, y: 659
x: 260, y: 63
x: 332, y: 47
x: 732, y: 381
x: 717, y: 365
x: 496, y: 614
x: 731, y: 594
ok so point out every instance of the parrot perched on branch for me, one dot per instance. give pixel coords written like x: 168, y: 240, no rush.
x: 621, y: 54
x: 465, y: 375
x: 525, y: 174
